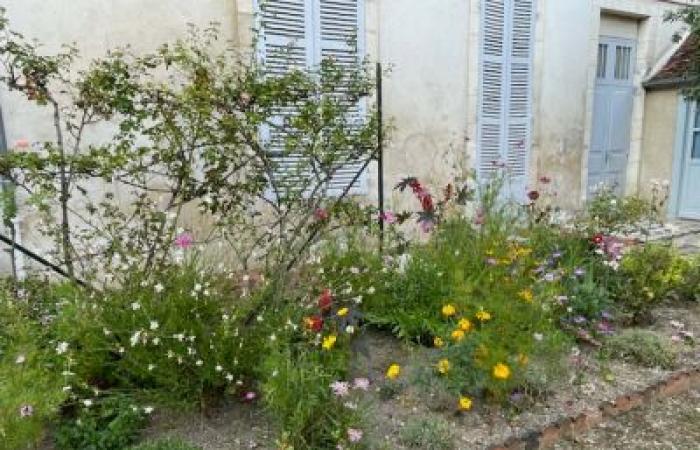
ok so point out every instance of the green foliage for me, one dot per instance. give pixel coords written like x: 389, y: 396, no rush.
x: 642, y: 347
x: 112, y: 423
x: 31, y: 390
x: 646, y: 276
x: 165, y: 444
x: 689, y: 288
x: 607, y: 212
x: 428, y: 434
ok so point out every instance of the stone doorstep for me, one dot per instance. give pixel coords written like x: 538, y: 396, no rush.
x: 573, y: 426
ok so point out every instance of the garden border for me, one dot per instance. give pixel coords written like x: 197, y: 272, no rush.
x: 572, y: 426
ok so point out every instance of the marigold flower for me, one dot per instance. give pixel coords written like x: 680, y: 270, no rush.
x: 343, y: 312
x: 393, y: 371
x: 443, y: 366
x: 438, y: 342
x: 483, y: 316
x: 465, y: 325
x: 465, y: 403
x: 329, y: 342
x: 449, y: 310
x: 526, y: 295
x: 458, y: 335
x: 501, y: 371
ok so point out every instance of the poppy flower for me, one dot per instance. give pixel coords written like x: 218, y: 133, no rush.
x: 325, y: 300
x: 314, y: 323
x: 427, y: 202
x: 321, y: 214
x: 597, y: 239
x: 533, y: 195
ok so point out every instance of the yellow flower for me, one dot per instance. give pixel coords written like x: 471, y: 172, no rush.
x: 501, y: 371
x: 329, y: 342
x: 343, y: 312
x: 443, y: 366
x: 465, y: 403
x: 393, y: 371
x: 465, y: 325
x: 526, y: 295
x: 458, y: 335
x: 483, y: 316
x: 438, y: 342
x: 449, y: 310
x: 522, y: 359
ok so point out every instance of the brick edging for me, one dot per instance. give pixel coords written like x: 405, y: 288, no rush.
x: 572, y: 426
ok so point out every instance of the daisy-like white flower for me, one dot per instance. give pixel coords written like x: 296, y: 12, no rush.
x: 340, y: 388
x: 135, y: 306
x: 154, y: 325
x: 151, y: 367
x: 62, y: 347
x: 158, y: 288
x: 148, y: 409
x: 20, y: 359
x: 199, y: 363
x: 229, y: 377
x: 87, y: 402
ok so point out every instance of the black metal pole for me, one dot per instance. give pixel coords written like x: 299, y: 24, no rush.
x: 40, y: 260
x: 380, y: 157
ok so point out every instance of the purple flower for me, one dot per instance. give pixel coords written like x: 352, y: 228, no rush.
x: 340, y: 388
x: 606, y: 315
x: 354, y: 435
x: 516, y: 397
x: 579, y: 272
x: 184, y: 241
x: 249, y: 396
x: 361, y: 383
x: 605, y: 327
x: 26, y: 411
x: 579, y: 319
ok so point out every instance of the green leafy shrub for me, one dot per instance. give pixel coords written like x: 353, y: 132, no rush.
x: 165, y: 444
x: 112, y: 423
x: 607, y: 212
x: 31, y: 386
x: 646, y: 276
x: 689, y: 288
x: 428, y: 434
x: 642, y: 347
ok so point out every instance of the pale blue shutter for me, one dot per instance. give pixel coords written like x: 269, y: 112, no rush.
x: 287, y: 44
x: 339, y: 32
x: 505, y: 121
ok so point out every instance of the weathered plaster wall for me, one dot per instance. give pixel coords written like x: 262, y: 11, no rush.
x: 660, y: 118
x: 426, y: 46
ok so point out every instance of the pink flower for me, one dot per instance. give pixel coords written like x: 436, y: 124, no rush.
x: 361, y: 383
x: 388, y: 217
x: 249, y: 396
x: 21, y: 143
x: 184, y: 241
x: 321, y: 214
x: 354, y: 435
x: 340, y: 388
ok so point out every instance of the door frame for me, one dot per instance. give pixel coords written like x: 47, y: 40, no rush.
x: 681, y: 146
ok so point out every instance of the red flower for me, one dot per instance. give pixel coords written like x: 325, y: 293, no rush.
x: 325, y: 300
x: 597, y: 239
x: 544, y: 179
x: 427, y: 202
x: 314, y: 323
x: 321, y: 214
x: 533, y: 195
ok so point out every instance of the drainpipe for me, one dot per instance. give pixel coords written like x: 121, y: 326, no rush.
x: 10, y: 213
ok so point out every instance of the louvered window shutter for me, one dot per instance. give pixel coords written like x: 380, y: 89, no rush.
x: 506, y: 90
x: 299, y: 34
x: 340, y: 36
x: 287, y: 44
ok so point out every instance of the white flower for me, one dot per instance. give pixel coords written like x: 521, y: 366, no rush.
x: 273, y: 337
x: 151, y: 367
x: 199, y: 363
x: 62, y: 347
x: 154, y: 325
x: 354, y: 270
x: 370, y: 290
x: 357, y: 299
x: 106, y: 332
x: 87, y: 402
x: 135, y: 338
x: 218, y: 368
x: 20, y: 359
x: 158, y: 288
x: 135, y: 306
x: 148, y: 409
x: 156, y: 341
x: 350, y: 329
x: 275, y: 373
x: 197, y: 287
x: 538, y: 337
x: 229, y: 377
x: 66, y: 388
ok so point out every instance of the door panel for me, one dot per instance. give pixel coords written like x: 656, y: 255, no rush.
x: 689, y: 199
x: 612, y: 114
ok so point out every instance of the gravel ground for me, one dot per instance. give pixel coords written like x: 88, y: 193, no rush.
x: 670, y: 424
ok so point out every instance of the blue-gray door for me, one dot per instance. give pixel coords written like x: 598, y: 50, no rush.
x: 612, y: 114
x: 689, y: 194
